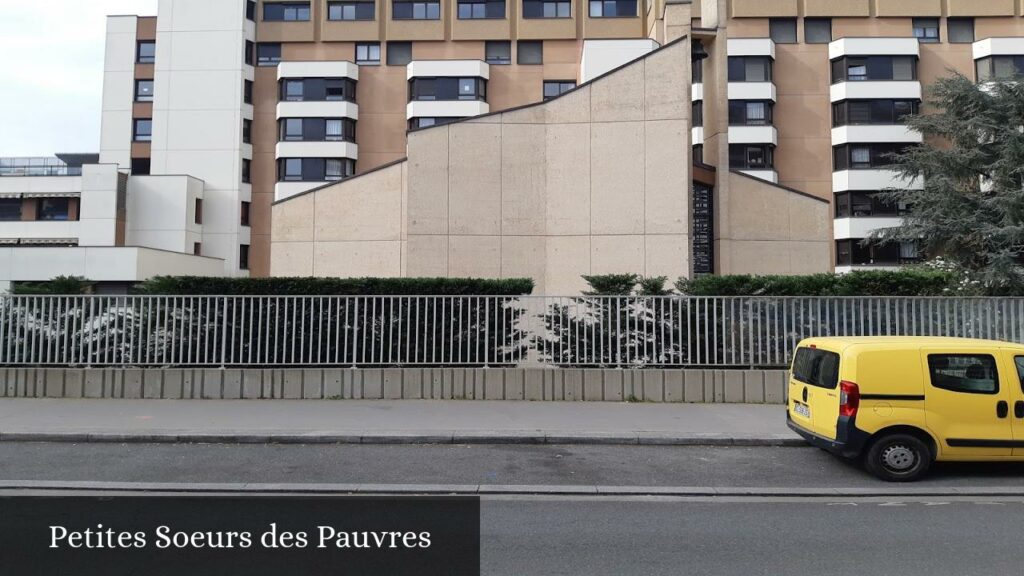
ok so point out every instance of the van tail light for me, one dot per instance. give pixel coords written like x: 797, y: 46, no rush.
x: 849, y: 398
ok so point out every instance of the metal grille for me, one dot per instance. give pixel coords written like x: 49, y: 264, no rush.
x: 268, y: 331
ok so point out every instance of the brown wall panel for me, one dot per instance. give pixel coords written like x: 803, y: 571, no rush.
x: 861, y: 27
x: 908, y: 7
x: 145, y: 28
x: 613, y: 27
x: 980, y: 7
x: 998, y: 27
x: 837, y: 8
x: 141, y: 149
x: 762, y: 8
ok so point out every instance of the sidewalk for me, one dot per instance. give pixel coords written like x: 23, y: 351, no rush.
x: 392, y: 422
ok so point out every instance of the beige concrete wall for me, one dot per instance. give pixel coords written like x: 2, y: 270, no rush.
x: 756, y: 8
x: 835, y: 8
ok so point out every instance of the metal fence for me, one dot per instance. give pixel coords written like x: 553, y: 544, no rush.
x: 663, y: 331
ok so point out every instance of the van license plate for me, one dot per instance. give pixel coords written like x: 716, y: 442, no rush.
x: 802, y: 409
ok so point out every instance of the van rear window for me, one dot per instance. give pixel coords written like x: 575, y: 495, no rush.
x: 816, y: 367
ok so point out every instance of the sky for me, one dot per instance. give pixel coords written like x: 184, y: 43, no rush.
x: 51, y: 83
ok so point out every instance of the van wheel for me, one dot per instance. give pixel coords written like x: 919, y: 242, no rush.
x: 898, y: 458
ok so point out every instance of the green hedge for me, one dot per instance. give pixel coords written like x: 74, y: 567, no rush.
x: 906, y: 282
x: 196, y: 285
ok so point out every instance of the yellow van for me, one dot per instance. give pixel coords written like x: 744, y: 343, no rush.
x: 902, y: 402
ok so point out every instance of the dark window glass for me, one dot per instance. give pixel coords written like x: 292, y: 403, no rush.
x: 286, y: 11
x: 498, y: 52
x: 750, y: 69
x: 246, y: 131
x: 146, y: 52
x: 751, y: 156
x: 317, y: 129
x: 314, y: 169
x: 268, y: 54
x: 697, y: 74
x: 424, y: 122
x: 612, y: 8
x: 399, y: 53
x: 143, y: 90
x: 855, y: 252
x: 698, y: 154
x: 750, y: 113
x: 864, y: 112
x: 960, y: 30
x: 926, y: 29
x: 547, y: 9
x: 244, y: 216
x: 10, y: 209
x: 415, y: 10
x: 247, y: 92
x: 477, y: 9
x: 818, y: 30
x: 697, y: 113
x: 816, y: 367
x: 782, y: 30
x: 243, y: 257
x: 994, y: 68
x: 246, y: 170
x: 250, y: 48
x: 530, y: 52
x: 250, y: 10
x: 197, y: 248
x: 554, y: 88
x: 143, y: 130
x: 968, y: 373
x: 1019, y: 361
x: 53, y: 209
x: 865, y: 156
x: 447, y: 89
x: 355, y: 10
x: 368, y: 53
x: 860, y: 204
x: 860, y: 68
x: 140, y: 166
x: 198, y: 219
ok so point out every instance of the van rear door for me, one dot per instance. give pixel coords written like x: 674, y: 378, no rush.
x: 814, y: 390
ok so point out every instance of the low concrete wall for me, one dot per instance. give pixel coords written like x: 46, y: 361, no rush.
x: 572, y: 384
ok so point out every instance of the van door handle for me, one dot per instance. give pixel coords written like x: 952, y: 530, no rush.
x: 1002, y: 408
x: 1018, y: 409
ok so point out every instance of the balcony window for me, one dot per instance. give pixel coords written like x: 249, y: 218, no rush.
x: 247, y: 92
x: 268, y: 53
x: 547, y: 9
x: 865, y: 156
x: 612, y: 8
x: 750, y: 113
x: 250, y: 10
x: 415, y: 10
x: 53, y: 209
x: 479, y: 9
x: 817, y: 30
x: 246, y: 171
x: 246, y: 131
x: 863, y: 68
x: 244, y: 214
x: 498, y: 52
x: 447, y: 89
x: 782, y: 30
x: 751, y: 157
x: 926, y: 29
x: 854, y: 253
x: 866, y: 204
x: 286, y: 12
x: 248, y: 52
x: 993, y: 68
x: 243, y: 257
x: 399, y: 53
x: 960, y: 30
x: 146, y: 52
x: 314, y: 169
x: 368, y: 53
x: 318, y: 90
x: 10, y: 209
x: 141, y: 166
x: 750, y: 69
x: 143, y: 90
x: 428, y: 122
x: 142, y: 130
x: 317, y: 130
x: 555, y: 88
x: 872, y: 112
x: 530, y: 52
x: 356, y: 10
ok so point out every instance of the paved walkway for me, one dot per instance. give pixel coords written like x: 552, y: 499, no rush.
x: 401, y: 421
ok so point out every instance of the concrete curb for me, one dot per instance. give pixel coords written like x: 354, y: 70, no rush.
x: 427, y: 437
x: 512, y: 490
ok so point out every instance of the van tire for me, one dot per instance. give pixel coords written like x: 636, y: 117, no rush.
x: 898, y: 458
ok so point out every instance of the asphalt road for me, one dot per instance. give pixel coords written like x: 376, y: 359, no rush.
x: 473, y: 464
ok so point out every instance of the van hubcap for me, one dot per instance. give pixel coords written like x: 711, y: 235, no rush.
x: 898, y: 458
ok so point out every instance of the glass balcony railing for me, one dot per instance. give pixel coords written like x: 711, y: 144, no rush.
x: 41, y: 166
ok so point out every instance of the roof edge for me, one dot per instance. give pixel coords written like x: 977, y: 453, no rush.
x: 349, y: 179
x: 780, y: 186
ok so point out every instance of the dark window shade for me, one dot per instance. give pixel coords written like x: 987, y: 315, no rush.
x: 399, y: 53
x: 817, y: 30
x: 530, y: 52
x: 782, y: 30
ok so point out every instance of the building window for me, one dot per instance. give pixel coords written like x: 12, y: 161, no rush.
x: 612, y: 8
x: 246, y: 131
x: 318, y: 90
x: 999, y: 68
x: 863, y: 68
x: 199, y: 211
x: 555, y: 88
x: 751, y: 156
x: 243, y: 257
x: 246, y: 171
x: 530, y: 52
x: 356, y: 10
x: 146, y: 52
x: 865, y: 112
x: 415, y: 10
x: 960, y: 30
x: 141, y: 166
x: 428, y: 122
x: 244, y: 216
x: 477, y: 9
x: 52, y: 209
x: 854, y: 252
x: 197, y: 248
x: 866, y: 204
x: 286, y: 11
x: 750, y: 113
x: 865, y: 156
x: 697, y: 113
x: 10, y: 209
x: 498, y: 52
x: 750, y: 69
x: 248, y: 51
x: 268, y: 53
x: 547, y: 9
x: 314, y: 169
x: 247, y: 92
x: 471, y: 88
x: 399, y: 53
x: 142, y: 130
x: 368, y: 53
x: 817, y: 30
x: 317, y: 130
x: 782, y: 30
x: 250, y: 10
x: 143, y: 90
x: 926, y: 29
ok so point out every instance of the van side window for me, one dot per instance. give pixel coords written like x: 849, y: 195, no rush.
x: 816, y: 367
x: 1020, y: 370
x: 970, y: 373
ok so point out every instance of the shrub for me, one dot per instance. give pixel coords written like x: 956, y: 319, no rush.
x: 58, y: 286
x: 905, y: 282
x: 197, y: 285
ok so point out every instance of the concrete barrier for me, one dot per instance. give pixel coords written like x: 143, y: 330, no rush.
x: 539, y: 384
